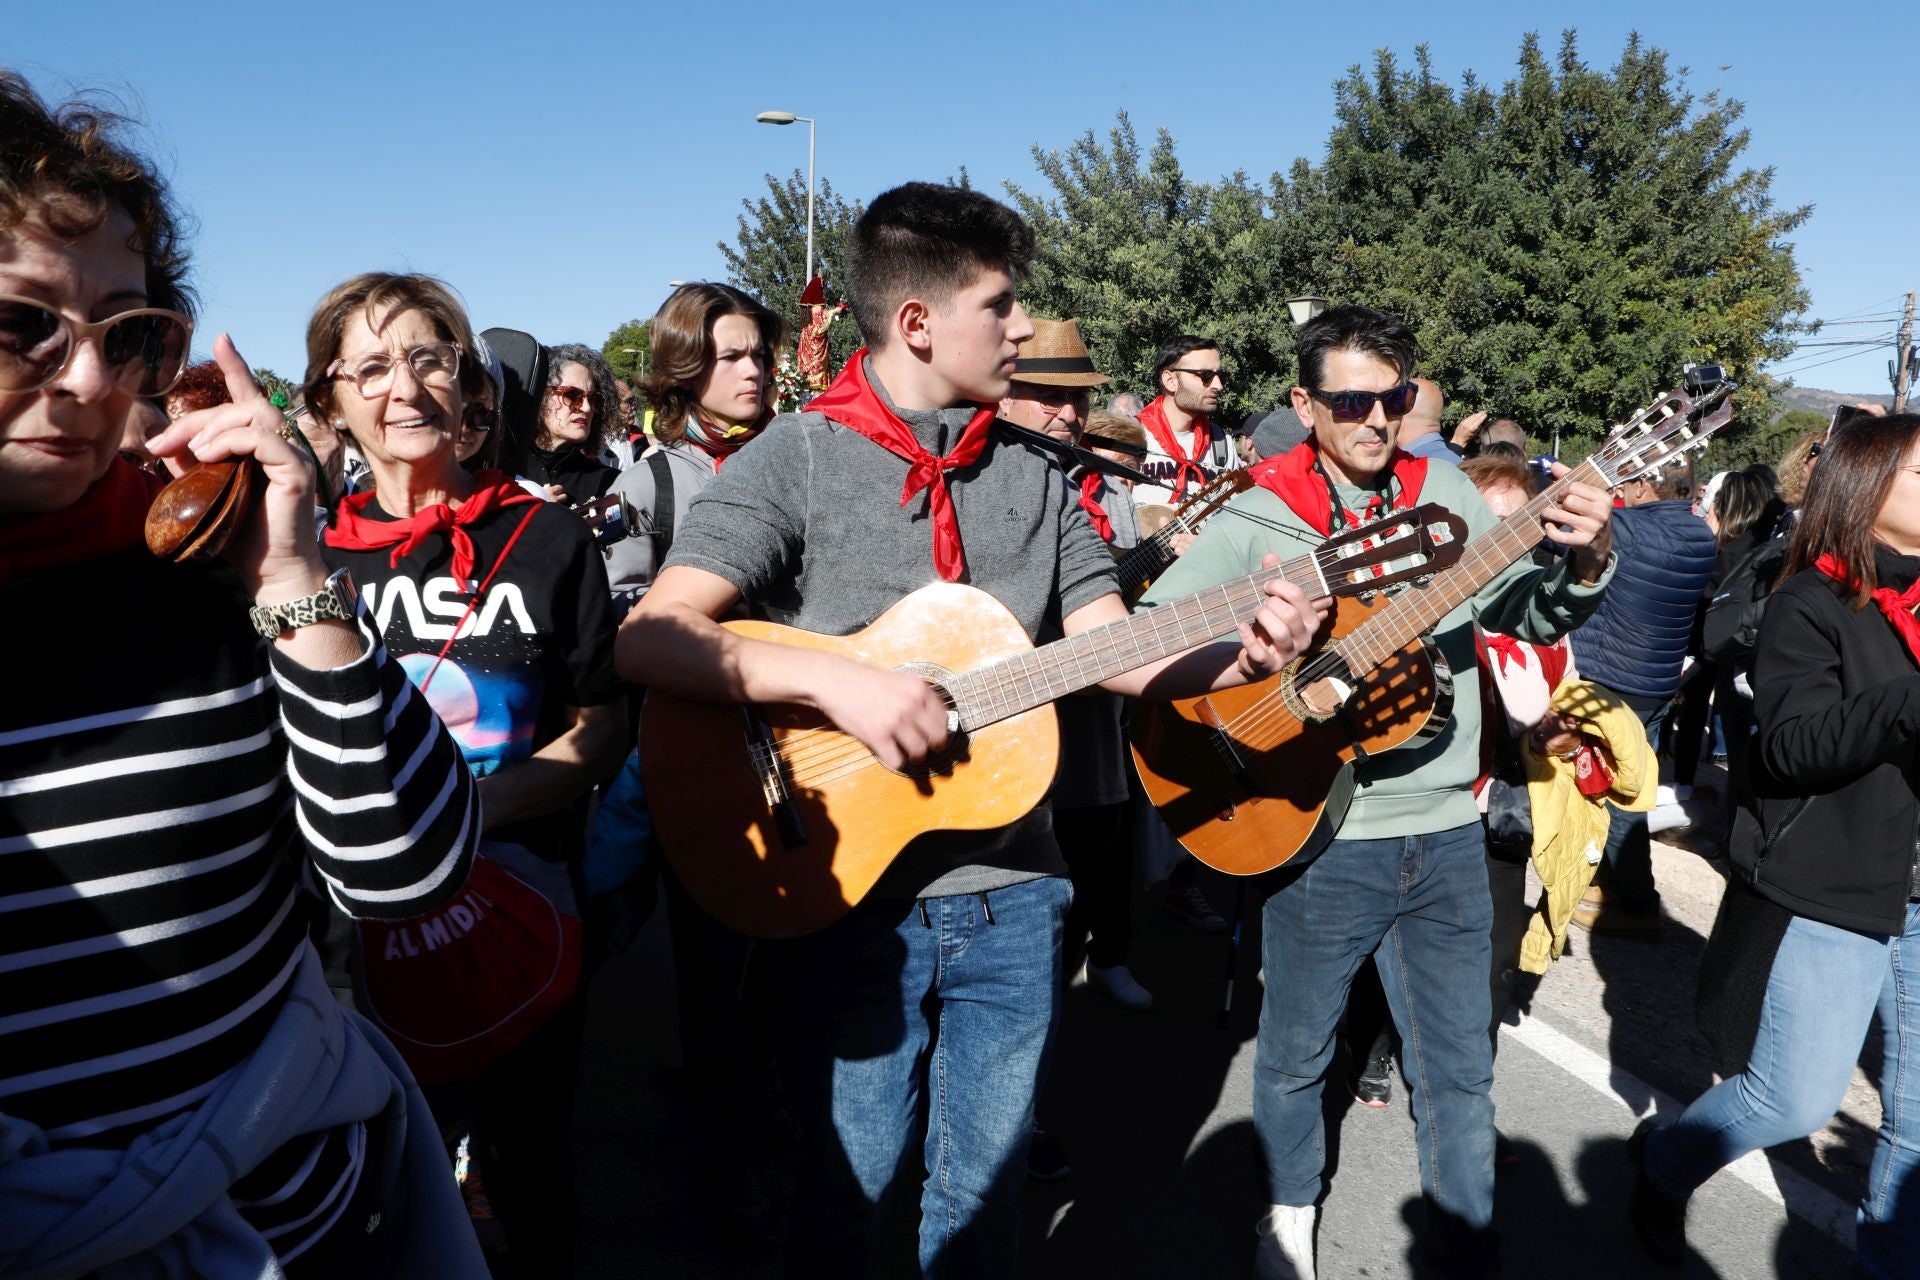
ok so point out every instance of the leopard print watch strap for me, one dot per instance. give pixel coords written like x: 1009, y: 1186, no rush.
x: 334, y: 600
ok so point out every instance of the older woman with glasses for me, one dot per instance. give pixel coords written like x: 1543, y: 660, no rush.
x: 179, y: 1093
x: 496, y: 604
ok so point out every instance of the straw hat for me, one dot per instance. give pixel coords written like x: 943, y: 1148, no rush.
x: 1056, y: 357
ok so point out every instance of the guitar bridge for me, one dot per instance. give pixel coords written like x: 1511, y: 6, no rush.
x: 775, y: 785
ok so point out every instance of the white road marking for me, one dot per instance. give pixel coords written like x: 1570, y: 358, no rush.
x: 1786, y: 1188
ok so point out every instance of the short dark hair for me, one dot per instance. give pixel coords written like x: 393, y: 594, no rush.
x: 928, y: 241
x: 1176, y: 348
x: 1366, y: 330
x: 70, y: 167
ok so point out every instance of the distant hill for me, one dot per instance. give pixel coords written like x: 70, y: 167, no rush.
x: 1824, y: 402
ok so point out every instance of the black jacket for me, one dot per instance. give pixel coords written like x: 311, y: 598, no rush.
x: 571, y: 467
x: 1836, y: 757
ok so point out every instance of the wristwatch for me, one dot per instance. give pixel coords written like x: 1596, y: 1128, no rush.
x: 336, y: 599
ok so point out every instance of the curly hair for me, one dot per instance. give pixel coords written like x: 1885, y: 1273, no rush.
x: 605, y: 429
x: 68, y: 167
x: 202, y: 386
x: 1796, y: 466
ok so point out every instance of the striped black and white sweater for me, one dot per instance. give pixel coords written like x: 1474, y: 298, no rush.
x: 166, y: 780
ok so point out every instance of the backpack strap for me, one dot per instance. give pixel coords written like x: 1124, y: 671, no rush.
x: 662, y: 503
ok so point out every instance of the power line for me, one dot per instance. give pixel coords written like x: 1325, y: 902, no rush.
x: 1870, y: 306
x: 1887, y: 319
x: 1848, y: 355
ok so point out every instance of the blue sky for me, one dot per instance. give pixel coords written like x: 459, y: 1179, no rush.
x: 559, y: 164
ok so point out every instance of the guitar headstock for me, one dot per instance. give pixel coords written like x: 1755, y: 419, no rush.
x: 1673, y: 424
x: 1398, y: 547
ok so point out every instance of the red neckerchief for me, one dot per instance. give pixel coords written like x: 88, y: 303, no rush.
x: 852, y: 402
x: 353, y: 531
x: 1090, y: 486
x: 707, y: 440
x: 1296, y: 478
x: 111, y: 516
x: 1549, y: 659
x: 1154, y: 419
x: 1896, y: 605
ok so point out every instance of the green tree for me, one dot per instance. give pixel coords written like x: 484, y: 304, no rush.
x: 1766, y: 441
x: 769, y: 254
x: 1136, y: 251
x: 626, y: 350
x: 1561, y: 245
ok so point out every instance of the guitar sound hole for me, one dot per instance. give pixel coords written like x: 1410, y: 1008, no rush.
x: 941, y: 763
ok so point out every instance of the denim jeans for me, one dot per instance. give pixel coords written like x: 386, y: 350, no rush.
x: 1629, y: 851
x: 1419, y: 906
x: 944, y: 1005
x: 1826, y: 983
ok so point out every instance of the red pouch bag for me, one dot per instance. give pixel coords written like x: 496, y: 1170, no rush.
x: 458, y: 987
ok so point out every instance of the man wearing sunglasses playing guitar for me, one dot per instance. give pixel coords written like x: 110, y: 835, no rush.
x: 1403, y: 879
x: 940, y: 988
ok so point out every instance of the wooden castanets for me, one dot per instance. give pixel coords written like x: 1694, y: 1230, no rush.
x: 197, y: 515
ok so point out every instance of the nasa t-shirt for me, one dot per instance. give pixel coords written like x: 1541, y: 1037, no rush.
x: 539, y: 640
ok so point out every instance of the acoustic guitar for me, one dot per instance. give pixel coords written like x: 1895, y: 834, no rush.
x: 1251, y: 778
x: 777, y: 823
x: 1148, y: 558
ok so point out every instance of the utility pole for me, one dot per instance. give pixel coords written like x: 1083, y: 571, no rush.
x: 1903, y: 359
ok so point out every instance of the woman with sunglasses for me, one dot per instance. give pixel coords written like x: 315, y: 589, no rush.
x: 179, y: 1093
x: 496, y: 605
x: 579, y: 417
x: 1825, y: 900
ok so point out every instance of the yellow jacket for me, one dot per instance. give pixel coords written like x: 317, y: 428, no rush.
x: 1569, y: 829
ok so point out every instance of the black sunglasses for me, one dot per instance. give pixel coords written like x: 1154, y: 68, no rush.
x: 1205, y: 375
x: 477, y: 417
x: 1357, y: 406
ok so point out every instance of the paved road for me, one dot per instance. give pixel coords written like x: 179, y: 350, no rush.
x: 1156, y: 1113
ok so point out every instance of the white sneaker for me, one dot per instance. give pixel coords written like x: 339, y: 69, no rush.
x: 1117, y: 984
x: 1283, y: 1243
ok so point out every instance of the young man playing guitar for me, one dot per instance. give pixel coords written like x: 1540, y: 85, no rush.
x: 1404, y: 879
x: 940, y: 988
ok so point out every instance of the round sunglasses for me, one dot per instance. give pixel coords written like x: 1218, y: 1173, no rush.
x: 144, y: 350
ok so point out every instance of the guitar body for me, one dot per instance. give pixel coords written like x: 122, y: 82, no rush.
x: 797, y: 860
x: 1247, y: 781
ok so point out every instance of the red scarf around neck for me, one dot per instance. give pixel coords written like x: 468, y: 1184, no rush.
x: 1898, y: 606
x: 1090, y: 486
x: 354, y: 531
x: 1154, y: 419
x: 1297, y: 480
x: 852, y: 402
x: 110, y: 517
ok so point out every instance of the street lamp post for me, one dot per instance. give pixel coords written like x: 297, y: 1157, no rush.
x: 787, y: 117
x: 1305, y: 308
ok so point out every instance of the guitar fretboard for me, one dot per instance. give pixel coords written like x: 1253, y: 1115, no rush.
x: 1026, y: 680
x: 1416, y: 611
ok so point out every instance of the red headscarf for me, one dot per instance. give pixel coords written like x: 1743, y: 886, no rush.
x: 1154, y: 419
x: 111, y: 516
x: 353, y: 531
x: 1898, y: 606
x: 1296, y: 478
x: 852, y: 402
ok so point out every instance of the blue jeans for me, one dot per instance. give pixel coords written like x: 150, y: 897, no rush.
x: 1826, y: 983
x: 891, y: 1011
x: 1419, y: 906
x: 1629, y: 851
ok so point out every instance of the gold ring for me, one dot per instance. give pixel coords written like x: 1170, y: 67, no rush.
x: 290, y: 433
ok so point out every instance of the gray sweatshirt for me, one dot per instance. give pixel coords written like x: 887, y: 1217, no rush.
x: 806, y: 522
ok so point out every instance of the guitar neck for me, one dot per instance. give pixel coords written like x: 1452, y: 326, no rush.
x: 1416, y: 611
x: 1147, y: 559
x: 1023, y: 681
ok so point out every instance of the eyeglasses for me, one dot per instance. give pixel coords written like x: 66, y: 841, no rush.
x: 574, y: 396
x: 1357, y: 406
x: 1205, y: 375
x: 145, y: 350
x: 477, y: 417
x: 1813, y: 450
x: 434, y: 364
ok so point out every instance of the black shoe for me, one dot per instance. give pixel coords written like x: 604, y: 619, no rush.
x: 1373, y: 1087
x: 1047, y: 1158
x: 1659, y: 1220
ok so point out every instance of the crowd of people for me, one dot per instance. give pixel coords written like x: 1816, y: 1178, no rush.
x: 311, y: 849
